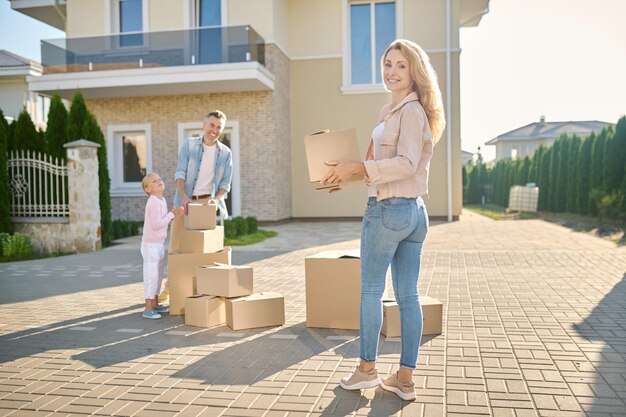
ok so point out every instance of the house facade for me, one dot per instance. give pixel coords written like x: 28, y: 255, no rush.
x: 14, y: 92
x: 280, y: 69
x: 524, y: 141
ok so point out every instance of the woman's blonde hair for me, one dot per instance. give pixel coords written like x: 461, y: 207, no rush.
x: 424, y: 83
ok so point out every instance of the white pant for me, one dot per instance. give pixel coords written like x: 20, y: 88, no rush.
x: 153, y: 262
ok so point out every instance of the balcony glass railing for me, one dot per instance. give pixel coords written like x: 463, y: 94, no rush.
x: 210, y: 45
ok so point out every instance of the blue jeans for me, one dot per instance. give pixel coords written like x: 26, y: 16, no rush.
x: 393, y: 232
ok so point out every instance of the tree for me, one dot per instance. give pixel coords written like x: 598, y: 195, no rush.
x: 56, y: 133
x: 583, y: 177
x: 544, y: 188
x: 473, y: 187
x: 76, y: 118
x: 572, y: 181
x: 554, y: 171
x: 91, y: 131
x: 524, y: 171
x: 597, y: 172
x: 25, y: 135
x: 5, y: 192
x: 562, y: 174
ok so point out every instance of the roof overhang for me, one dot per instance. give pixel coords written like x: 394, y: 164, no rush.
x: 472, y: 12
x: 52, y: 12
x: 141, y: 82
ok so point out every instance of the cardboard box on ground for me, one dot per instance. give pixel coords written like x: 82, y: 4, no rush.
x: 333, y: 289
x: 330, y: 146
x: 432, y: 312
x: 207, y: 289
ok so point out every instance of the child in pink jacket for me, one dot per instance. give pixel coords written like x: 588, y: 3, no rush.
x: 156, y: 220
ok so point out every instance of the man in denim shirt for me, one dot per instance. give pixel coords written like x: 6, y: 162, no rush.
x: 204, y: 172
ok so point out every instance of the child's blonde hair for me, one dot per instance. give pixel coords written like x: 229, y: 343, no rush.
x: 145, y: 183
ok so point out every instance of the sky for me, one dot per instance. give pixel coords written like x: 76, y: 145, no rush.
x: 564, y: 59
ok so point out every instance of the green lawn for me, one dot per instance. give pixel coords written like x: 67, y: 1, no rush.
x: 250, y: 239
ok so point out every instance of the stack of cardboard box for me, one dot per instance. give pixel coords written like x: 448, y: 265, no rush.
x: 216, y: 292
x: 201, y: 243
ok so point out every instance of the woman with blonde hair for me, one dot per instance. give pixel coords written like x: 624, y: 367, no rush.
x: 395, y: 222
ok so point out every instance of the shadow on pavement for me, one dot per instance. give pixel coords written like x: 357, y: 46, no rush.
x: 607, y: 325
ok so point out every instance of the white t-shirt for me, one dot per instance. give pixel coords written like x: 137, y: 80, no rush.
x: 376, y: 135
x: 206, y: 175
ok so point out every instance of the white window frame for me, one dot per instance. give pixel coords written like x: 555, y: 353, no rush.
x: 233, y: 127
x: 119, y: 188
x: 347, y: 86
x: 190, y: 8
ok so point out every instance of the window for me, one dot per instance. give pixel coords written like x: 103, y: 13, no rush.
x: 372, y: 29
x: 130, y: 158
x: 130, y: 20
x: 209, y: 12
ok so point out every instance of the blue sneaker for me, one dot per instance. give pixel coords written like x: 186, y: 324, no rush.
x: 153, y: 315
x: 161, y: 309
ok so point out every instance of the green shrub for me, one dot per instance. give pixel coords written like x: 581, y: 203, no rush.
x: 610, y: 205
x: 230, y: 229
x: 15, y: 246
x: 253, y: 226
x: 241, y: 225
x: 124, y: 228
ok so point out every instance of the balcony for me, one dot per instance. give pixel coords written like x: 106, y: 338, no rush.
x: 200, y: 60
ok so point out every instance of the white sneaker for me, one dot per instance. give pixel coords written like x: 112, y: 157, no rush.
x: 361, y: 380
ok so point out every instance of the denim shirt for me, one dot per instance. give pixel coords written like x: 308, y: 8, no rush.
x: 189, y: 159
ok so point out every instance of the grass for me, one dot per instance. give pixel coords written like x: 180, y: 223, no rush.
x: 250, y: 239
x: 32, y: 256
x: 612, y: 230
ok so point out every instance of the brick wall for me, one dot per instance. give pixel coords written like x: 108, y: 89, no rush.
x: 264, y: 139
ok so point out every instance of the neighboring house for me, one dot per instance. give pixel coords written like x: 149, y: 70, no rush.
x: 524, y: 141
x: 466, y: 157
x: 14, y: 93
x: 280, y: 69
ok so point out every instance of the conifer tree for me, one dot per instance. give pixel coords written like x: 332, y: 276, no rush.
x: 554, y: 171
x: 473, y: 187
x: 544, y: 187
x: 76, y: 118
x: 572, y: 180
x: 524, y: 171
x: 25, y: 135
x: 92, y: 132
x: 583, y: 177
x: 5, y: 192
x: 56, y: 132
x: 597, y: 171
x: 610, y: 164
x: 562, y: 174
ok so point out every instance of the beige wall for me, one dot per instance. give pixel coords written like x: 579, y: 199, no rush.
x: 314, y: 27
x: 166, y: 15
x: 85, y: 18
x: 258, y: 13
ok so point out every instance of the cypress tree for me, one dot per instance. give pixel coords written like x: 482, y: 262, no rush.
x: 583, y: 177
x: 562, y: 174
x: 572, y: 180
x: 5, y: 192
x: 544, y: 181
x: 597, y: 179
x: 25, y: 134
x: 610, y: 165
x: 76, y: 118
x: 91, y: 131
x: 56, y: 133
x: 554, y: 171
x: 473, y: 187
x: 619, y: 148
x: 524, y: 171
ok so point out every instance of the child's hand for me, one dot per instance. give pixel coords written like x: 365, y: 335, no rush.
x: 178, y: 211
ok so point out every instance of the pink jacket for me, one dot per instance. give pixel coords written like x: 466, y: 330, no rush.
x: 402, y: 157
x: 156, y: 220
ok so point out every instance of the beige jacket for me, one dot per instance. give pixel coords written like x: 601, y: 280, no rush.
x: 399, y: 164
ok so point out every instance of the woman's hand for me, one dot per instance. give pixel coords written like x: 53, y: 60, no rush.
x: 341, y: 171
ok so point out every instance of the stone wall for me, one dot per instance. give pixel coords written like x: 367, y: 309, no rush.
x: 81, y: 231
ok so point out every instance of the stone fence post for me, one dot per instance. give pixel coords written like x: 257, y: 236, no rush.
x: 84, y: 195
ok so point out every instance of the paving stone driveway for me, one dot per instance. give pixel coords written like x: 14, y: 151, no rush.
x: 534, y: 325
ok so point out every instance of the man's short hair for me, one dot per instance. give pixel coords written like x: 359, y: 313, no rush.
x: 216, y: 113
